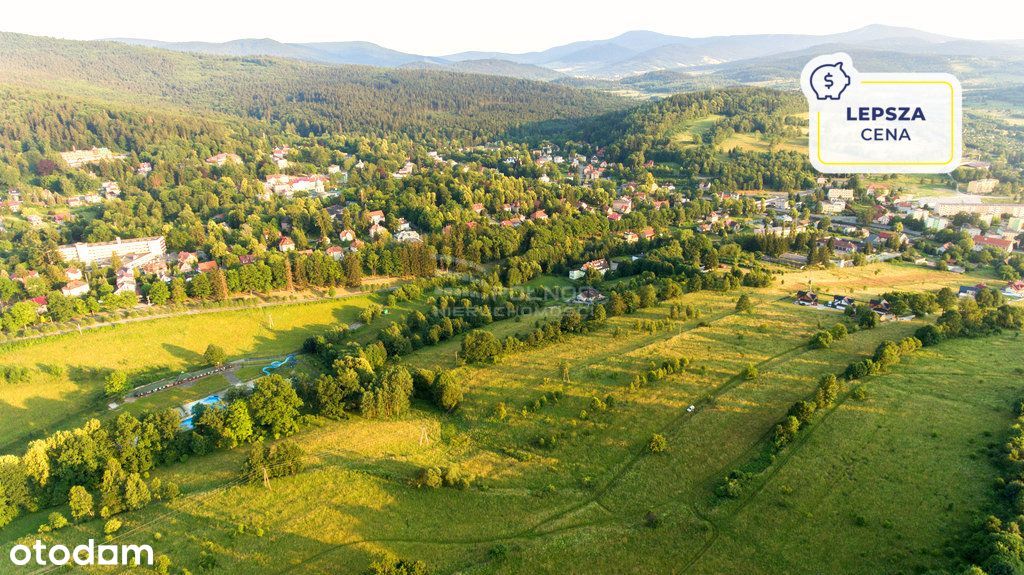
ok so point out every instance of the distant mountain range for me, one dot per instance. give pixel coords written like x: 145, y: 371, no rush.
x: 630, y: 55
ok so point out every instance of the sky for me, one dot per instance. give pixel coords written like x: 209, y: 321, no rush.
x: 437, y: 27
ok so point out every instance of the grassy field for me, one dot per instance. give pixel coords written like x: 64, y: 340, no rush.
x: 690, y: 132
x: 918, y: 185
x: 886, y: 483
x: 872, y: 280
x: 66, y: 384
x: 579, y: 506
x: 757, y: 143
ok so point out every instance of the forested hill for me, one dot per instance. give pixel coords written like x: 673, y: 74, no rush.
x: 653, y: 124
x: 312, y: 98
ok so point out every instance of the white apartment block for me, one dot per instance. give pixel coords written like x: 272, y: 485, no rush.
x: 102, y: 252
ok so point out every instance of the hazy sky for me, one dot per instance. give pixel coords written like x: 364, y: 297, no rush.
x: 436, y: 27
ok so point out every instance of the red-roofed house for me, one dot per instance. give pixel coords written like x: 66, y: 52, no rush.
x: 41, y: 304
x: 981, y: 242
x: 375, y: 217
x: 623, y: 205
x: 222, y: 158
x: 286, y: 244
x: 1014, y: 289
x: 75, y: 288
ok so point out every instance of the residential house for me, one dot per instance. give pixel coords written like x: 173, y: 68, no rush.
x: 42, y: 304
x: 623, y: 205
x: 375, y: 217
x: 125, y: 284
x: 881, y: 307
x: 970, y: 291
x: 647, y: 233
x: 408, y: 236
x: 26, y: 276
x: 110, y: 190
x: 841, y: 246
x: 405, y: 170
x: 981, y: 242
x: 589, y: 296
x: 335, y: 252
x: 157, y: 267
x: 1014, y: 289
x: 286, y: 244
x: 841, y: 302
x: 539, y: 215
x: 224, y: 159
x: 377, y: 230
x: 186, y: 261
x: 347, y: 235
x: 75, y: 288
x: 807, y: 298
x: 206, y: 267
x: 630, y: 237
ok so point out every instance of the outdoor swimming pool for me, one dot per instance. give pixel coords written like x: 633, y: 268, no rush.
x: 209, y: 400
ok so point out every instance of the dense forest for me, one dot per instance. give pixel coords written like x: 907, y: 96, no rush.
x: 309, y: 98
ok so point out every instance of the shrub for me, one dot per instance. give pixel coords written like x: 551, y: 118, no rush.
x: 57, y: 521
x: 657, y: 444
x: 821, y: 340
x: 112, y: 526
x: 429, y: 477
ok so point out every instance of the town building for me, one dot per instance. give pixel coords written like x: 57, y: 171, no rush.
x: 103, y: 252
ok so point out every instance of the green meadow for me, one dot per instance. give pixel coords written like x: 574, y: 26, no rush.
x: 904, y: 466
x: 66, y: 381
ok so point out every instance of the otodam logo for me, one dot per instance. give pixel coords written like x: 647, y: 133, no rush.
x: 87, y: 554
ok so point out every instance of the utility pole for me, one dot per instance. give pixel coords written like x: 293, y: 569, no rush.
x: 266, y: 478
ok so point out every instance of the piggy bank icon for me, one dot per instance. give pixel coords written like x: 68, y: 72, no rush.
x: 829, y: 81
